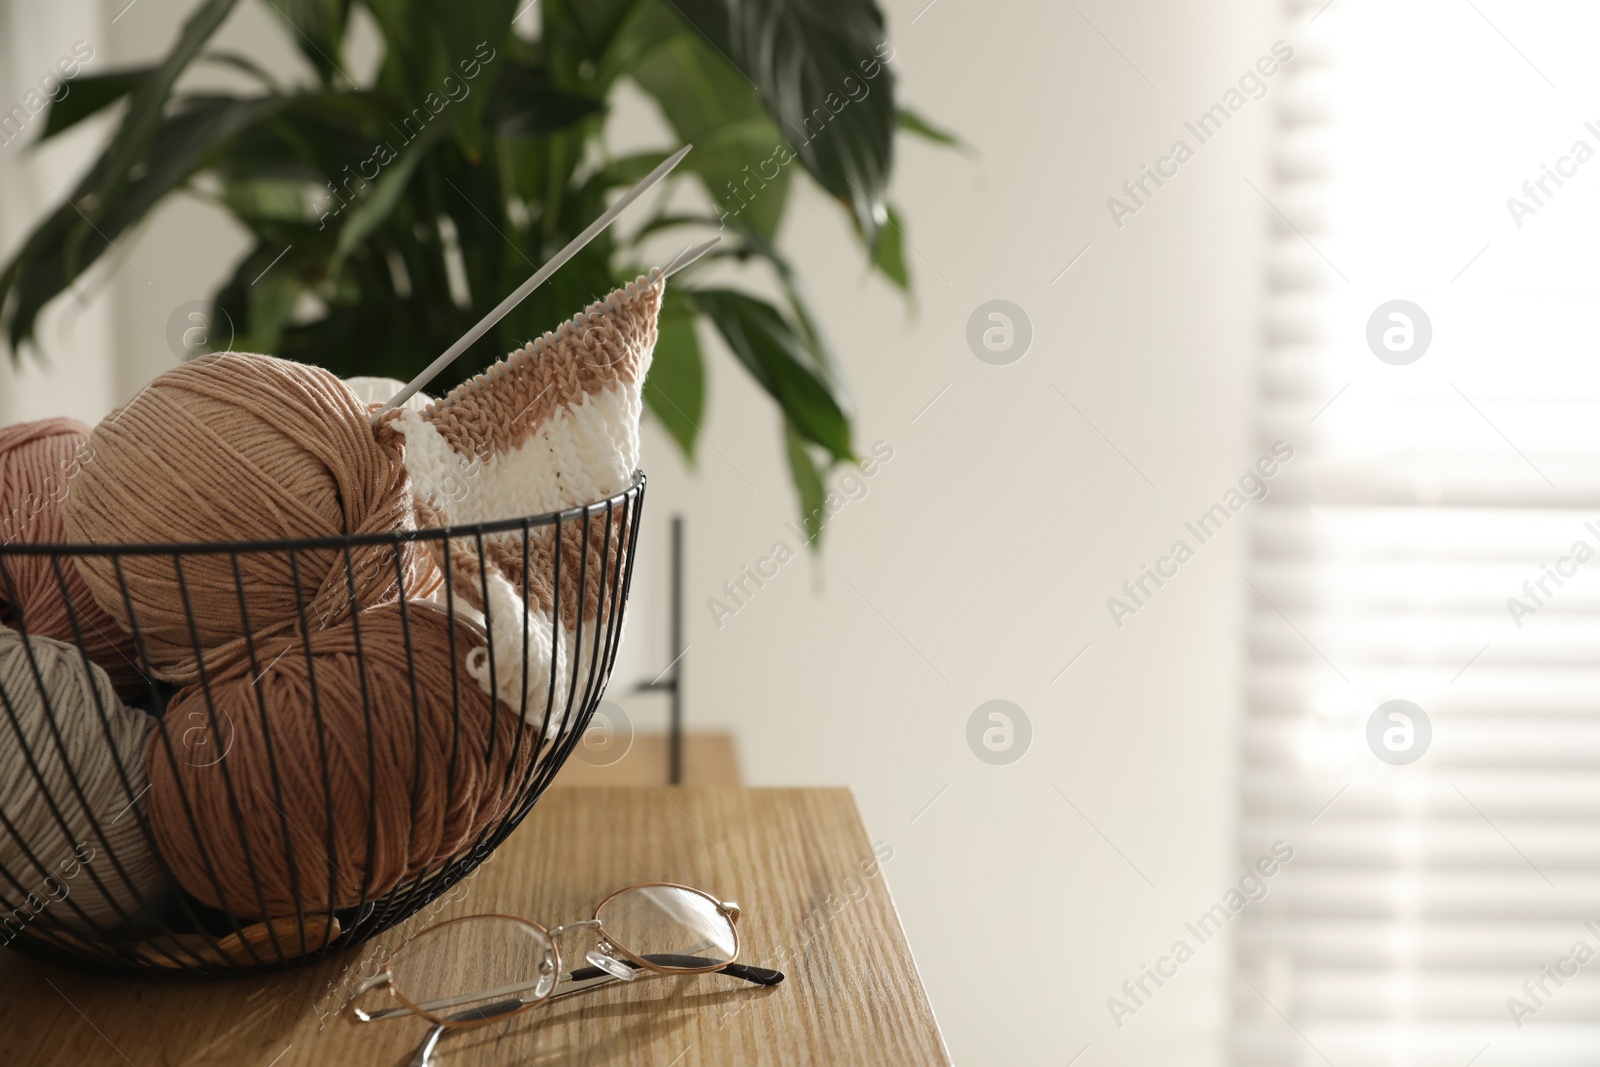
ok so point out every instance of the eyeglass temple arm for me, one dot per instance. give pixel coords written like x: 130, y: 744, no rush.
x: 424, y: 1055
x: 763, y: 976
x: 757, y: 975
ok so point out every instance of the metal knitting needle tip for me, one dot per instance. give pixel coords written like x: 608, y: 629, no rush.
x: 688, y: 256
x: 540, y: 276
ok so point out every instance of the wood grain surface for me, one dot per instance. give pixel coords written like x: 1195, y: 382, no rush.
x: 816, y: 905
x: 708, y: 759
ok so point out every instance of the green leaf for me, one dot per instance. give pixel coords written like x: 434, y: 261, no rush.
x: 88, y: 95
x: 675, y: 389
x: 776, y: 356
x: 912, y: 122
x: 375, y: 208
x: 74, y: 236
x: 445, y: 56
x: 736, y: 147
x: 754, y: 244
x: 527, y: 102
x: 821, y: 67
x: 648, y: 24
x: 186, y: 141
x: 581, y: 33
x: 111, y: 196
x: 889, y: 257
x: 148, y: 103
x: 262, y: 202
x: 313, y: 138
x: 244, y: 64
x: 807, y: 477
x: 317, y: 30
x: 260, y: 301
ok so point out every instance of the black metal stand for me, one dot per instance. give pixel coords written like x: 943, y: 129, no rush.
x: 670, y: 681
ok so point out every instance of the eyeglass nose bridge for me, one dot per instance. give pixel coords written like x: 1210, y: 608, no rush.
x: 378, y: 981
x: 603, y: 955
x: 581, y: 924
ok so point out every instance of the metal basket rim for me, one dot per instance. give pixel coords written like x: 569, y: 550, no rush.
x: 439, y: 533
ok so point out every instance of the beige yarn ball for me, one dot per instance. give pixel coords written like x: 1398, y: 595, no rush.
x: 240, y: 447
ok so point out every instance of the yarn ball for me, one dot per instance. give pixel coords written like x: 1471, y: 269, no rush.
x: 36, y: 461
x: 240, y: 447
x: 93, y: 866
x: 330, y: 798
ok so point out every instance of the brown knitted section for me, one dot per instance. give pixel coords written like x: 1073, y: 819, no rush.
x: 439, y: 553
x: 470, y: 569
x: 584, y: 573
x: 603, y: 347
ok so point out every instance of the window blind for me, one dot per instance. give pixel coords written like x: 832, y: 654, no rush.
x: 1435, y: 540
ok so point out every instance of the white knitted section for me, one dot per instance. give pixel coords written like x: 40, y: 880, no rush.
x: 512, y: 674
x: 579, y: 455
x: 439, y: 474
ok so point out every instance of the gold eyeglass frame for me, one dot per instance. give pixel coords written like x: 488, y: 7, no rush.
x: 385, y: 979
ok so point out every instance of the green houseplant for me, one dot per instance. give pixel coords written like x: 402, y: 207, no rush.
x: 400, y: 211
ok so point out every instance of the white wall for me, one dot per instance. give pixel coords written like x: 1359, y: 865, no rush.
x: 69, y: 371
x: 978, y: 564
x: 991, y: 541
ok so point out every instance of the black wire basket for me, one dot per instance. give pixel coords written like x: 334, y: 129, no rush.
x: 90, y: 876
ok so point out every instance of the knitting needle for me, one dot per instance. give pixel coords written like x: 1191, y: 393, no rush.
x: 688, y: 256
x: 540, y: 276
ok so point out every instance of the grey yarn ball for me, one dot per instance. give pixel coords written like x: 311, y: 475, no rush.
x: 74, y: 850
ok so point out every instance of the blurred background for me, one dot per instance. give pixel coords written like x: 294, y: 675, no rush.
x: 1164, y: 737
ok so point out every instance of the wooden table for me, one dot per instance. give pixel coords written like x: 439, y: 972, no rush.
x: 816, y: 905
x: 708, y: 759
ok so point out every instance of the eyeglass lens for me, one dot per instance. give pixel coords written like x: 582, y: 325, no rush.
x: 474, y: 962
x: 674, y: 928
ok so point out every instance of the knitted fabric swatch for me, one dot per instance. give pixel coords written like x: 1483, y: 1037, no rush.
x: 552, y: 426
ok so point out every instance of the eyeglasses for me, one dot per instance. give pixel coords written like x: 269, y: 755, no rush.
x: 479, y: 969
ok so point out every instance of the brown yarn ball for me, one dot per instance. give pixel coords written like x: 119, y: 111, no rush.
x: 240, y: 447
x: 36, y: 461
x: 406, y: 792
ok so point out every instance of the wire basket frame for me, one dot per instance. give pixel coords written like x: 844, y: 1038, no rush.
x: 584, y: 552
